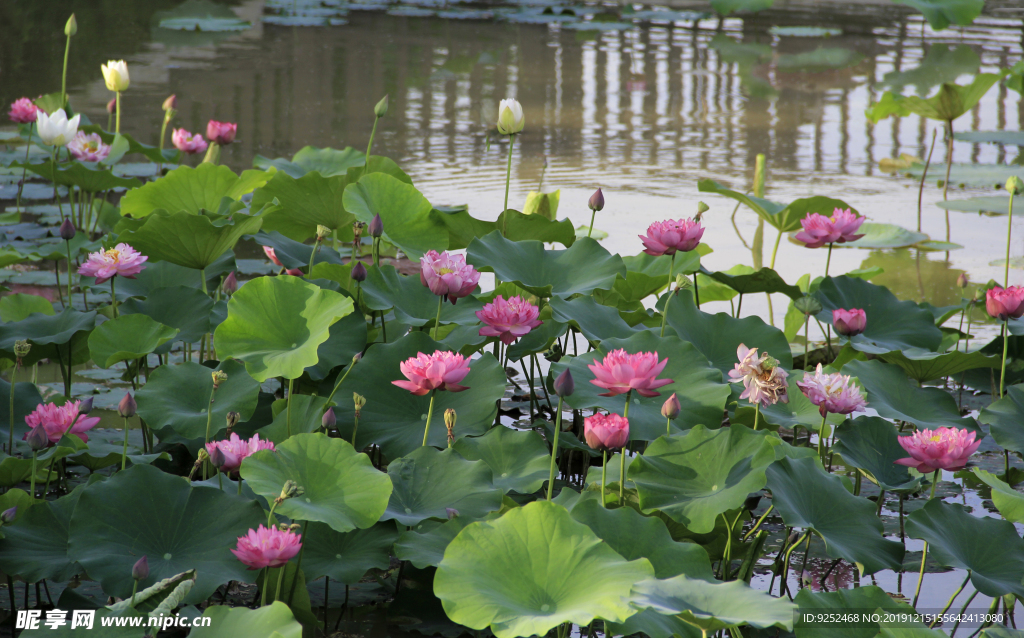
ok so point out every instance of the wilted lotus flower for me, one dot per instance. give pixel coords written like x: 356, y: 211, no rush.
x: 121, y: 260
x: 56, y: 129
x: 57, y: 420
x: 115, y: 74
x: 186, y: 142
x: 832, y: 393
x: 263, y: 547
x: 1005, y: 303
x: 764, y: 381
x: 671, y: 236
x: 849, y: 322
x: 23, y: 111
x: 88, y: 147
x: 606, y: 431
x: 511, y: 119
x: 819, y: 230
x: 941, y: 449
x: 221, y: 133
x: 619, y: 373
x: 508, y: 320
x: 448, y: 275
x: 442, y: 370
x: 236, y: 450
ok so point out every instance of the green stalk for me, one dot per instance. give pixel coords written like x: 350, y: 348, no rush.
x: 124, y: 452
x: 757, y: 413
x: 209, y: 417
x: 821, y: 438
x: 951, y: 599
x: 508, y: 179
x: 135, y: 588
x: 1009, y: 227
x: 828, y: 261
x: 373, y: 132
x: 68, y: 244
x: 664, y: 311
x: 266, y: 577
x: 604, y: 476
x: 785, y: 563
x: 312, y: 256
x: 113, y: 297
x: 593, y: 214
x: 1002, y: 373
x: 10, y: 442
x: 56, y: 198
x: 924, y: 553
x: 622, y: 456
x: 668, y: 427
x: 24, y: 169
x: 118, y: 129
x: 163, y: 134
x: 758, y: 524
x: 280, y: 579
x: 340, y: 381
x: 554, y: 448
x: 288, y: 420
x: 33, y: 492
x: 64, y: 77
x: 437, y: 322
x: 430, y: 414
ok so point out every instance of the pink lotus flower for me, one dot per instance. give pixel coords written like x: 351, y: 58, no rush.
x: 849, y: 322
x: 942, y: 449
x: 443, y: 370
x: 1005, y: 303
x: 619, y: 373
x: 222, y: 133
x: 23, y: 111
x: 121, y: 260
x: 832, y: 393
x: 819, y: 230
x: 88, y: 147
x: 508, y: 320
x: 764, y: 381
x: 186, y: 142
x: 57, y: 419
x: 606, y: 431
x: 263, y: 547
x: 671, y: 236
x: 236, y: 450
x: 447, y: 275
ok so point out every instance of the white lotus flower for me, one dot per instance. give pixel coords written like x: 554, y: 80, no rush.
x: 115, y: 74
x: 511, y: 119
x: 56, y: 129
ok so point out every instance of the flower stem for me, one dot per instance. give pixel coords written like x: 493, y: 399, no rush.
x: 757, y: 414
x: 1002, y: 373
x: 280, y: 574
x: 124, y: 452
x: 593, y: 214
x: 508, y: 179
x: 437, y: 321
x: 668, y: 427
x: 113, y: 297
x: 56, y: 197
x: 24, y: 169
x: 668, y: 292
x: 758, y: 524
x: 135, y: 589
x: 604, y: 476
x: 209, y: 417
x: 622, y: 453
x: 369, y: 145
x: 1009, y: 228
x: 68, y: 244
x: 430, y: 414
x: 924, y: 553
x: 554, y: 448
x: 821, y: 438
x: 951, y: 599
x: 117, y: 130
x: 64, y: 79
x: 33, y: 492
x: 340, y: 381
x: 288, y: 420
x: 266, y: 576
x: 10, y: 424
x: 828, y: 261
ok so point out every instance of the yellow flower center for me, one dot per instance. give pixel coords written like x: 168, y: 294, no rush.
x: 114, y: 254
x: 935, y: 439
x: 445, y: 271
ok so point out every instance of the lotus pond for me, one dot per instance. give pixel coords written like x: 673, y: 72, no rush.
x: 283, y: 358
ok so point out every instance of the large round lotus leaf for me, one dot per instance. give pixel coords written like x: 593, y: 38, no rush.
x: 427, y: 482
x: 36, y: 545
x: 342, y: 488
x: 413, y: 302
x: 403, y: 209
x: 885, y: 236
x: 1007, y: 500
x: 531, y: 570
x: 19, y: 306
x: 183, y: 307
x: 26, y: 399
x: 595, y: 321
x: 191, y: 189
x: 581, y: 268
x: 164, y: 274
x: 891, y: 324
x: 46, y: 333
x: 799, y: 412
x: 942, y: 13
x: 871, y: 444
x: 892, y: 395
x: 423, y: 544
x: 126, y: 338
x: 303, y: 204
x: 272, y: 621
x: 186, y: 239
x: 276, y: 324
x: 711, y: 607
x: 923, y: 365
x: 131, y: 514
x: 1004, y: 417
x: 346, y: 556
x: 519, y: 459
x: 695, y: 477
x: 991, y: 549
x: 394, y: 418
x: 646, y: 274
x: 178, y: 396
x: 697, y: 385
x: 718, y: 336
x: 463, y: 228
x: 809, y: 498
x: 326, y: 161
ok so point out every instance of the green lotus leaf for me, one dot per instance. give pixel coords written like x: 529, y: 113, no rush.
x: 183, y: 307
x: 328, y: 162
x: 427, y: 482
x: 726, y: 7
x: 178, y: 396
x: 695, y: 477
x: 299, y: 205
x: 395, y: 418
x: 46, y: 333
x: 346, y: 556
x: 127, y: 337
x: 942, y: 13
x: 26, y: 398
x: 785, y: 218
x: 403, y: 209
x: 276, y: 324
x: 346, y: 338
x: 893, y: 396
x: 1005, y: 418
x: 581, y: 268
x: 941, y: 63
x: 718, y: 336
x: 189, y: 239
x: 871, y: 444
x: 413, y: 302
x: 891, y: 324
x: 994, y: 205
x: 295, y: 254
x: 191, y: 190
x: 464, y: 228
x: 307, y: 416
x: 163, y: 274
x: 14, y: 469
x: 799, y: 412
x: 595, y: 321
x: 1007, y: 500
x: 1008, y: 138
x: 713, y: 606
x: 973, y: 174
x: 819, y: 60
x: 847, y: 601
x: 807, y: 497
x: 539, y: 340
x: 342, y: 488
x: 90, y: 179
x: 764, y: 280
x: 531, y: 570
x: 923, y: 365
x: 273, y: 621
x: 953, y: 537
x: 424, y: 544
x: 520, y: 460
x: 36, y: 545
x: 125, y: 517
x: 129, y: 144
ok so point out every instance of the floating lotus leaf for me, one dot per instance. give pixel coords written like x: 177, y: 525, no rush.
x: 342, y: 488
x: 941, y: 63
x: 726, y: 7
x: 713, y: 606
x: 406, y: 213
x: 92, y: 179
x: 1005, y: 418
x: 809, y: 498
x: 942, y: 13
x: 126, y: 338
x: 520, y: 460
x: 871, y: 444
x: 191, y: 190
x: 273, y: 621
x: 326, y: 161
x: 1007, y: 500
x: 427, y: 482
x: 994, y: 205
x: 972, y: 174
x: 885, y: 236
x: 951, y: 101
x: 1009, y: 138
x: 276, y: 324
x: 346, y: 556
x: 531, y: 570
x: 189, y: 239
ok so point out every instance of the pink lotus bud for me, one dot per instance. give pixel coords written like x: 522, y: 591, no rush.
x: 606, y: 431
x: 217, y: 458
x: 564, y: 384
x: 358, y: 272
x: 112, y: 106
x: 272, y: 256
x: 86, y: 406
x: 230, y: 284
x: 67, y: 230
x: 222, y: 133
x: 127, y: 407
x: 376, y: 226
x: 451, y: 512
x: 140, y: 570
x: 670, y: 409
x: 596, y: 202
x: 38, y: 439
x: 1005, y: 303
x: 170, y: 103
x: 849, y: 322
x: 961, y: 281
x: 329, y: 420
x: 7, y: 517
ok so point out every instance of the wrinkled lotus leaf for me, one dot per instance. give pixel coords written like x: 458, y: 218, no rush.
x: 845, y: 601
x: 953, y: 537
x: 187, y: 239
x: 595, y: 321
x: 276, y: 324
x: 298, y: 205
x: 950, y: 102
x: 984, y: 205
x: 178, y: 396
x: 581, y: 268
x: 121, y: 519
x: 539, y: 340
x: 403, y: 209
x: 764, y: 280
x: 885, y: 236
x: 713, y: 606
x: 183, y: 307
x: 90, y: 178
x: 942, y: 13
x: 307, y: 416
x: 346, y: 338
x: 326, y: 161
x: 163, y: 274
x: 413, y: 302
x: 464, y: 228
x: 531, y: 570
x: 273, y: 621
x: 36, y: 545
x: 48, y: 334
x: 126, y: 338
x: 520, y: 460
x: 871, y: 444
x: 941, y: 63
x: 427, y: 482
x: 346, y: 556
x: 697, y: 385
x: 395, y: 418
x: 191, y: 190
x: 923, y: 365
x: 295, y: 254
x: 807, y: 497
x: 1005, y: 418
x: 424, y: 544
x: 1007, y: 500
x: 696, y: 477
x: 342, y: 488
